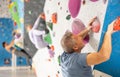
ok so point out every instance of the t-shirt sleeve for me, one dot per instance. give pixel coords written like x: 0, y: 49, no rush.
x: 38, y: 32
x: 82, y: 59
x: 31, y: 37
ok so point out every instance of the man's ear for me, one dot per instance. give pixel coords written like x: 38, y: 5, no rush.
x: 75, y: 47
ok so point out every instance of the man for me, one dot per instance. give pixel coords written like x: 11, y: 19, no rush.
x: 77, y: 64
x: 14, y: 49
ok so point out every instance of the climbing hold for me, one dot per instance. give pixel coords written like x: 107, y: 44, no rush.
x: 51, y: 53
x: 68, y: 17
x: 74, y: 7
x: 93, y: 0
x: 29, y: 12
x: 52, y: 48
x: 50, y: 25
x: 48, y: 39
x: 17, y: 35
x: 77, y: 27
x: 104, y: 1
x: 84, y: 2
x: 117, y: 24
x: 60, y: 8
x: 15, y: 23
x: 96, y: 25
x: 58, y: 3
x: 54, y: 18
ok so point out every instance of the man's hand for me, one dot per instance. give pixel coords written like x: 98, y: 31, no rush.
x: 92, y: 20
x: 95, y: 23
x: 42, y: 15
x: 110, y: 27
x: 89, y: 27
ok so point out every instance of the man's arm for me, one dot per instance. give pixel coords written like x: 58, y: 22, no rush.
x: 31, y: 37
x: 104, y: 52
x: 36, y: 23
x: 86, y: 30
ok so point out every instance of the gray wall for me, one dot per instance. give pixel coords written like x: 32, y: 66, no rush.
x: 32, y: 10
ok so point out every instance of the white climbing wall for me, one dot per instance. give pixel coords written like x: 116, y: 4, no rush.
x: 87, y: 11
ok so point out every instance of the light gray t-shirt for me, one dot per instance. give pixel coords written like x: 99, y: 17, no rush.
x: 74, y: 65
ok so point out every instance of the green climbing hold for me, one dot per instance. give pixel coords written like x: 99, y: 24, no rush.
x: 48, y: 39
x: 68, y: 17
x: 59, y: 59
x: 50, y: 25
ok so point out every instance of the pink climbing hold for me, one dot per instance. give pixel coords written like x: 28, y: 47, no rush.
x: 78, y: 26
x: 96, y: 25
x: 93, y: 0
x: 104, y: 1
x: 74, y: 7
x: 17, y: 35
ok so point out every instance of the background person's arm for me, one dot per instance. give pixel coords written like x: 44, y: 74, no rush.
x: 36, y: 23
x: 104, y: 53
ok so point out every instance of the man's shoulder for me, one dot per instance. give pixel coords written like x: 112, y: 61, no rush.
x: 65, y: 56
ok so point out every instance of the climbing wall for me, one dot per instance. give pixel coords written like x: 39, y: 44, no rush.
x: 16, y: 9
x: 4, y: 11
x: 84, y: 10
x: 65, y: 21
x: 11, y: 19
x: 32, y: 10
x: 112, y: 66
x: 70, y: 11
x: 5, y: 35
x: 61, y: 16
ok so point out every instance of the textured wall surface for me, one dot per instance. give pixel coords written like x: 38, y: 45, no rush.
x: 5, y: 35
x: 112, y: 66
x: 7, y: 25
x: 32, y: 10
x: 88, y: 10
x: 4, y: 12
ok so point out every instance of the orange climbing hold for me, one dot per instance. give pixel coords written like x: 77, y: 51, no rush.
x: 54, y: 18
x: 52, y: 48
x: 117, y: 24
x: 49, y: 60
